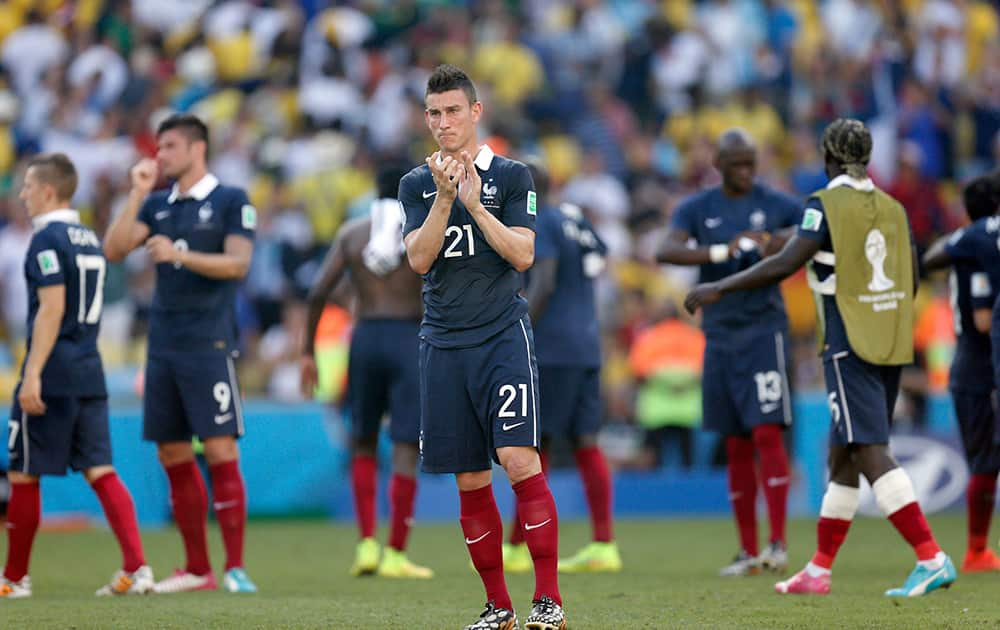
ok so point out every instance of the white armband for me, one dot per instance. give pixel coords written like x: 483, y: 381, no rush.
x: 718, y: 253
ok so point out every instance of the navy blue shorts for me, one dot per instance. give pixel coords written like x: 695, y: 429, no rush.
x: 191, y: 393
x: 73, y: 433
x: 976, y: 415
x: 383, y: 375
x: 861, y: 396
x: 476, y: 400
x: 570, y: 400
x: 745, y: 384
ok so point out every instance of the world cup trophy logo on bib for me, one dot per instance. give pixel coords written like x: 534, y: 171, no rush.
x: 875, y: 252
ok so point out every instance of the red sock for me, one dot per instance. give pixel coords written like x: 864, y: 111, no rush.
x: 770, y: 444
x: 516, y: 528
x: 830, y: 535
x: 537, y: 510
x: 910, y: 522
x: 980, y: 498
x: 24, y: 511
x: 484, y: 537
x: 120, y: 512
x: 597, y: 484
x: 229, y: 495
x: 743, y: 490
x: 363, y: 479
x: 190, y: 504
x: 402, y: 492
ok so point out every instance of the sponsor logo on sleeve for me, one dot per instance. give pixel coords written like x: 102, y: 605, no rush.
x: 532, y: 203
x: 980, y: 285
x: 812, y: 219
x: 249, y: 216
x: 48, y: 262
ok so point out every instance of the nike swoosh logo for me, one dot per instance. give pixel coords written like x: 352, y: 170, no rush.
x: 507, y: 427
x: 161, y: 215
x: 713, y: 223
x: 428, y: 195
x: 769, y: 407
x: 224, y: 504
x: 773, y: 482
x: 472, y: 542
x: 224, y: 418
x: 529, y: 526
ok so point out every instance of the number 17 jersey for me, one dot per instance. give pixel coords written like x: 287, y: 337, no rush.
x: 64, y: 252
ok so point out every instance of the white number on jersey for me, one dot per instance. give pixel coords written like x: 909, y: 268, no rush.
x: 12, y: 428
x: 510, y: 393
x: 223, y: 395
x: 97, y: 264
x: 456, y: 232
x: 768, y: 386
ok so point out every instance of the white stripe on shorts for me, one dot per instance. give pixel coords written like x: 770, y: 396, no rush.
x: 843, y: 397
x: 25, y: 441
x: 786, y: 402
x: 531, y: 376
x: 234, y: 388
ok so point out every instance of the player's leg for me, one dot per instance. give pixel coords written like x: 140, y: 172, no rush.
x: 24, y: 512
x: 91, y: 453
x: 229, y: 500
x: 976, y: 420
x: 761, y: 389
x: 516, y: 555
x: 402, y: 496
x: 452, y: 441
x: 721, y: 414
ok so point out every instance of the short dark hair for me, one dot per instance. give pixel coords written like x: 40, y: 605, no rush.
x: 981, y: 197
x: 188, y: 124
x: 57, y: 170
x: 446, y: 78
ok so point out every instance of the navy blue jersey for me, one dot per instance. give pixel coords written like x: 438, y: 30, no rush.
x: 567, y: 333
x: 63, y: 252
x: 712, y: 218
x: 471, y: 293
x: 191, y: 311
x: 975, y: 279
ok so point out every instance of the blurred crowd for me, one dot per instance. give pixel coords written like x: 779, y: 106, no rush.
x: 623, y: 99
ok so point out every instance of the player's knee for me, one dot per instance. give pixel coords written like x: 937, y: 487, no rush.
x: 767, y: 437
x: 364, y: 445
x: 18, y: 477
x: 580, y: 441
x: 173, y: 453
x: 520, y: 462
x: 221, y: 449
x: 469, y: 481
x: 95, y: 473
x: 738, y: 447
x: 404, y: 459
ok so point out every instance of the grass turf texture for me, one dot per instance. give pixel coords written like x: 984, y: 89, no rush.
x: 669, y: 581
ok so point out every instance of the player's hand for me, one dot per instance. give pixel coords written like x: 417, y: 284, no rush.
x: 30, y: 395
x: 702, y: 295
x: 470, y: 184
x: 309, y: 375
x: 161, y: 249
x: 144, y: 175
x: 446, y: 175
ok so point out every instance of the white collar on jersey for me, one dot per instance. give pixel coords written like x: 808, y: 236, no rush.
x: 64, y: 215
x: 863, y: 185
x: 483, y: 159
x: 199, y: 191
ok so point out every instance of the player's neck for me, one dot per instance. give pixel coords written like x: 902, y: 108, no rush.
x: 194, y: 175
x: 472, y: 147
x: 735, y: 194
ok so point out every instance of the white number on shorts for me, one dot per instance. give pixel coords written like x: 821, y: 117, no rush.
x: 223, y: 395
x: 834, y: 407
x: 768, y: 386
x: 86, y: 263
x: 510, y: 393
x: 454, y: 230
x: 12, y: 427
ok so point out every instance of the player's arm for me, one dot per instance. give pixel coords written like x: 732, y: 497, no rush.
x: 983, y: 319
x: 51, y: 306
x: 232, y: 264
x: 676, y: 248
x: 768, y: 271
x: 937, y: 256
x: 127, y: 232
x: 515, y: 244
x: 541, y: 287
x: 330, y: 274
x: 424, y: 243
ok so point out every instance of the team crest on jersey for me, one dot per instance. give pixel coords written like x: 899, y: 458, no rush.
x: 489, y: 191
x: 205, y: 213
x: 758, y: 219
x: 48, y: 262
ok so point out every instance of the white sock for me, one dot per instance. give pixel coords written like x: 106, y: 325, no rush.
x: 934, y: 563
x: 814, y: 570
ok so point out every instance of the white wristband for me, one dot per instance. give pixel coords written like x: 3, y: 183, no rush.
x: 718, y: 253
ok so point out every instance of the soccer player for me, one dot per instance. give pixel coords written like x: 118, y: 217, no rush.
x: 382, y: 369
x: 864, y: 269
x: 60, y: 415
x: 560, y: 293
x: 974, y: 288
x: 745, y: 393
x: 468, y: 230
x: 200, y: 235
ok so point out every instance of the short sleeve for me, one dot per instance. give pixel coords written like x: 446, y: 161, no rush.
x: 146, y: 213
x: 813, y: 223
x: 684, y: 217
x: 411, y: 202
x: 44, y: 265
x: 546, y: 236
x: 241, y: 215
x: 961, y: 245
x: 981, y: 291
x: 520, y: 205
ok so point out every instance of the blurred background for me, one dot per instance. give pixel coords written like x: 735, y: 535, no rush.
x: 623, y: 99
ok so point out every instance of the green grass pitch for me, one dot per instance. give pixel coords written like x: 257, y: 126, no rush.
x: 669, y: 581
